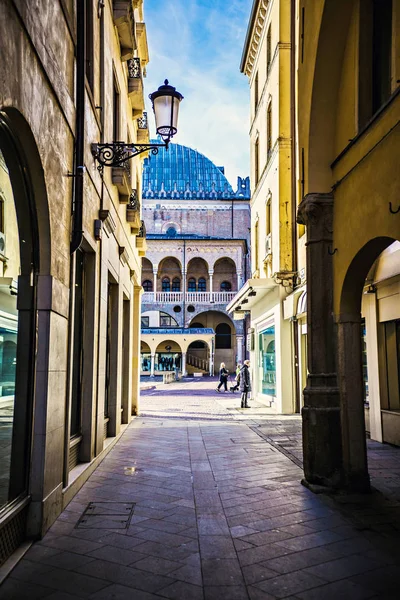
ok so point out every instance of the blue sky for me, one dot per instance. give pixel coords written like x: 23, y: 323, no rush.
x: 197, y: 45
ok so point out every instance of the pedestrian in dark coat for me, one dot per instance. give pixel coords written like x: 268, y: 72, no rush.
x: 223, y: 377
x: 245, y: 383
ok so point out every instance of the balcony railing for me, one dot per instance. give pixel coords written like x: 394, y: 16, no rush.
x: 190, y: 297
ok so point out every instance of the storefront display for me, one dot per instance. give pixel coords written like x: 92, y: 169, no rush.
x: 267, y: 361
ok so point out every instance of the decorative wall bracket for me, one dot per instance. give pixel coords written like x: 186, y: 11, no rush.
x: 287, y: 279
x: 117, y: 154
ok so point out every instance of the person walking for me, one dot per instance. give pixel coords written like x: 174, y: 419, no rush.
x: 245, y: 383
x: 223, y: 377
x: 235, y: 387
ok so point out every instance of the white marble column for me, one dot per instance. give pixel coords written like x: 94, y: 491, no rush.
x: 155, y: 269
x: 153, y: 356
x: 183, y: 366
x: 239, y: 280
x: 210, y: 274
x: 184, y: 282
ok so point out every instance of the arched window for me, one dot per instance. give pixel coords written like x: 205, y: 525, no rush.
x: 147, y: 285
x: 176, y: 284
x: 202, y: 285
x: 166, y: 284
x: 192, y: 285
x: 223, y: 337
x: 226, y: 286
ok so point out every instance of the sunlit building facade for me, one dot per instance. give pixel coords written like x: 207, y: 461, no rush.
x: 71, y: 243
x: 197, y: 230
x: 267, y: 62
x: 349, y: 103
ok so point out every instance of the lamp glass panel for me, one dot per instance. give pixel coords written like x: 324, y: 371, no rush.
x: 162, y: 112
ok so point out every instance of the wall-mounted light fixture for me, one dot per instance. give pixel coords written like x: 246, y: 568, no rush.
x: 165, y: 103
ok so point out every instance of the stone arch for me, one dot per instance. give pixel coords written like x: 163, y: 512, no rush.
x: 350, y: 298
x: 171, y: 225
x: 212, y: 319
x: 171, y: 268
x: 326, y: 84
x: 225, y: 271
x: 147, y: 275
x: 197, y: 269
x: 350, y: 376
x: 26, y: 178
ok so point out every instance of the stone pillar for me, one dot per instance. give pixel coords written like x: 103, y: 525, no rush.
x: 211, y: 348
x: 153, y: 356
x: 321, y: 412
x: 239, y: 280
x: 210, y: 274
x: 184, y: 282
x: 354, y: 446
x: 136, y: 362
x: 183, y: 364
x: 239, y: 341
x: 155, y: 269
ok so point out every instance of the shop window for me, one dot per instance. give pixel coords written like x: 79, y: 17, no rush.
x: 145, y: 322
x: 267, y: 361
x: 192, y: 284
x: 145, y: 359
x: 202, y: 285
x: 392, y: 346
x: 147, y: 285
x: 166, y: 284
x: 167, y: 361
x: 223, y: 337
x: 226, y: 286
x: 176, y: 284
x: 364, y: 361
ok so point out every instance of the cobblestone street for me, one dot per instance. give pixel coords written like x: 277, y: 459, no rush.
x: 202, y: 500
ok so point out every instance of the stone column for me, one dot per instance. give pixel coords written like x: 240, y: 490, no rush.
x: 239, y: 341
x: 184, y: 284
x: 354, y: 446
x: 183, y: 364
x: 210, y: 274
x: 155, y: 270
x: 153, y: 356
x: 239, y: 280
x: 136, y: 362
x: 321, y: 412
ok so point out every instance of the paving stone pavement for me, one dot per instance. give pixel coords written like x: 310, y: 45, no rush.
x: 201, y: 500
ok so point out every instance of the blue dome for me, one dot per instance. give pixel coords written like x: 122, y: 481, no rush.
x: 181, y: 172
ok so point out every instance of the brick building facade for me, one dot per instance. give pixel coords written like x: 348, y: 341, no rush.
x: 197, y: 257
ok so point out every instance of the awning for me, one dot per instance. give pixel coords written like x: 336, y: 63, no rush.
x: 251, y: 293
x: 302, y: 303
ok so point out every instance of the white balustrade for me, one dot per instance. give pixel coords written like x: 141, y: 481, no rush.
x: 190, y: 297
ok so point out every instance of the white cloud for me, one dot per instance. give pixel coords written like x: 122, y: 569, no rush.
x: 197, y: 45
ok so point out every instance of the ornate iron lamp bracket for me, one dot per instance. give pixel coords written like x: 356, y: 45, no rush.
x: 117, y: 154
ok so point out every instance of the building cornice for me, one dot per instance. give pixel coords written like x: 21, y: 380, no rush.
x: 253, y: 36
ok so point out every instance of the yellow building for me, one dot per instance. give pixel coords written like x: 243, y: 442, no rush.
x: 267, y: 60
x: 349, y: 141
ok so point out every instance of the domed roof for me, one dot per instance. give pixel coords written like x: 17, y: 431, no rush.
x: 181, y: 172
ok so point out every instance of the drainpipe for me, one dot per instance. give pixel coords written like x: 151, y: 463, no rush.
x: 79, y: 169
x: 293, y: 132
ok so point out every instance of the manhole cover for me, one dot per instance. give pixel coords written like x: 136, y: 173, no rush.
x: 106, y: 515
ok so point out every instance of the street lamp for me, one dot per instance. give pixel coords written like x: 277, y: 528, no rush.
x: 165, y: 103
